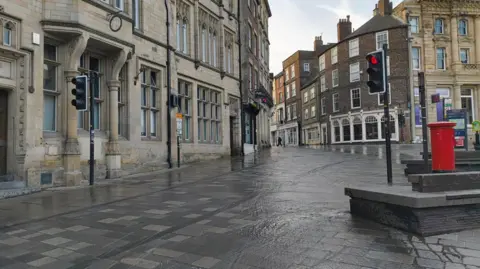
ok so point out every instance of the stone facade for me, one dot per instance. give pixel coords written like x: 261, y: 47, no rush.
x: 278, y: 115
x: 47, y: 139
x: 349, y: 114
x: 443, y: 46
x: 255, y: 52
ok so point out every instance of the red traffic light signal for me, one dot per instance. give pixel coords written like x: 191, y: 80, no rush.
x: 372, y: 59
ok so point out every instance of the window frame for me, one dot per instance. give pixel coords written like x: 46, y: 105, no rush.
x: 353, y: 50
x: 321, y: 62
x: 146, y: 83
x: 205, y: 115
x: 382, y: 33
x: 467, y: 54
x: 472, y: 103
x: 52, y: 92
x: 306, y: 67
x: 121, y: 5
x: 442, y: 26
x: 305, y: 97
x: 414, y: 26
x: 7, y: 29
x: 313, y: 111
x: 444, y: 59
x: 323, y: 83
x: 84, y: 67
x: 358, y: 90
x: 335, y: 102
x: 357, y: 73
x: 335, y: 71
x: 136, y: 6
x: 334, y: 55
x: 465, y: 21
x: 416, y: 60
x: 185, y: 107
x: 323, y: 106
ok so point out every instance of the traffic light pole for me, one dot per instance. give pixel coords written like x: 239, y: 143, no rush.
x: 386, y: 108
x: 91, y: 162
x: 423, y: 101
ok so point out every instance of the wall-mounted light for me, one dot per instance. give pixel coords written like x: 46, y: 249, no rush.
x: 135, y: 78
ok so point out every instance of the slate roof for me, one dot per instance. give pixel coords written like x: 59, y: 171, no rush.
x: 376, y: 24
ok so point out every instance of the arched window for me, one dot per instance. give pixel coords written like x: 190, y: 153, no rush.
x: 179, y: 36
x: 371, y: 127
x: 210, y: 47
x: 7, y: 34
x: 346, y: 129
x: 214, y: 49
x: 185, y: 35
x: 229, y: 59
x: 392, y: 126
x: 336, y: 131
x: 357, y: 129
x: 204, y: 44
x: 463, y: 27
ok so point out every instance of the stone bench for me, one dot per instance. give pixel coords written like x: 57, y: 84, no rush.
x: 441, y: 182
x: 464, y: 161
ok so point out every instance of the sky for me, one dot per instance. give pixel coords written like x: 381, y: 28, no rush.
x: 295, y: 23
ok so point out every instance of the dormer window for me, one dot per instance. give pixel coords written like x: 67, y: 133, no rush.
x: 439, y: 26
x: 7, y: 34
x: 463, y: 27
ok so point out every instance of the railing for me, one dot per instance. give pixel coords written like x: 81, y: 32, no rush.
x: 470, y: 67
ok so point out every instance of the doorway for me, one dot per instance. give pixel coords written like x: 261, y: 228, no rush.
x: 3, y: 132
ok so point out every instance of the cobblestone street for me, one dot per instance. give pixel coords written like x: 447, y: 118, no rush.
x: 281, y: 209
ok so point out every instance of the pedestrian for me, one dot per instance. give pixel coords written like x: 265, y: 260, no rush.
x: 279, y: 141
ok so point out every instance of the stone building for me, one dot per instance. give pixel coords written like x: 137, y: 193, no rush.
x: 256, y: 81
x: 349, y: 114
x: 443, y: 45
x: 45, y: 141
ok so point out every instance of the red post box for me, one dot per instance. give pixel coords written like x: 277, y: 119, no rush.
x: 442, y: 143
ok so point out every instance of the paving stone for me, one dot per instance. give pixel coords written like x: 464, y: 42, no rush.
x: 77, y: 228
x: 142, y: 263
x: 203, y: 222
x: 41, y: 262
x: 225, y: 215
x: 52, y: 231
x: 192, y: 216
x: 17, y: 232
x: 13, y: 241
x: 210, y: 209
x: 79, y: 246
x: 206, y: 262
x: 108, y: 221
x: 178, y: 238
x: 166, y: 252
x: 57, y: 241
x: 58, y: 252
x: 156, y: 228
x: 106, y: 210
x: 157, y: 211
x: 129, y: 218
x: 30, y: 236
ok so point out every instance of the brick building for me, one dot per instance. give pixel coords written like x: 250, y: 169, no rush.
x: 444, y: 45
x: 298, y: 70
x: 44, y: 140
x: 348, y: 113
x: 310, y: 116
x: 278, y: 115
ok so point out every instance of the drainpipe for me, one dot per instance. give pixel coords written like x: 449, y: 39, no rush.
x: 242, y: 116
x: 412, y: 91
x: 169, y: 85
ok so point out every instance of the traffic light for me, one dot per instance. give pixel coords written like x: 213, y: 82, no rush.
x: 80, y: 92
x: 376, y: 72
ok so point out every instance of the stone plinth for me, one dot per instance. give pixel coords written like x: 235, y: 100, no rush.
x: 445, y: 181
x: 424, y: 214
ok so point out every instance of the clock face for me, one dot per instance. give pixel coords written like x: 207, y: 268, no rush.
x: 115, y: 23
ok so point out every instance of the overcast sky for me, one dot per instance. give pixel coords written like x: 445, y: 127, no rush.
x: 295, y: 23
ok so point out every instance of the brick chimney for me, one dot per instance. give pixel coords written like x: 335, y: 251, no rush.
x: 385, y: 7
x: 318, y: 43
x: 344, y: 28
x: 375, y: 10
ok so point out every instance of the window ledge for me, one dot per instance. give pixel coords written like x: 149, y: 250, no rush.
x: 152, y: 139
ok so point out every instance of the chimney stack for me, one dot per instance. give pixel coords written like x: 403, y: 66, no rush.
x: 318, y: 43
x: 344, y: 28
x: 375, y: 10
x: 385, y: 7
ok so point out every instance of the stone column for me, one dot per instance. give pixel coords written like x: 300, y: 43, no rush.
x: 457, y: 100
x: 113, y: 157
x: 454, y: 35
x: 477, y: 37
x: 71, y: 150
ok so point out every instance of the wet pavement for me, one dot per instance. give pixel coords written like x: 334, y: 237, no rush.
x: 282, y: 209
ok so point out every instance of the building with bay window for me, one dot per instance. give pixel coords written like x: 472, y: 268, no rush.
x: 44, y: 140
x: 256, y: 79
x: 443, y: 46
x: 348, y: 113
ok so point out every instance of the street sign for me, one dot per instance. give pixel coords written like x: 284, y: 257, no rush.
x: 476, y: 126
x: 459, y: 116
x: 179, y: 117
